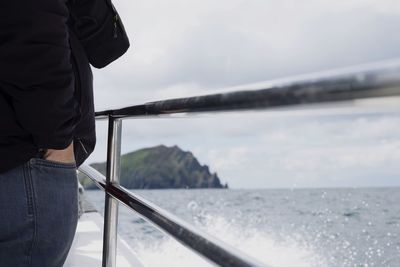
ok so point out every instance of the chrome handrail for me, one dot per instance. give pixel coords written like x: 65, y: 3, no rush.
x: 366, y: 81
x: 375, y: 80
x: 205, y: 245
x: 111, y: 205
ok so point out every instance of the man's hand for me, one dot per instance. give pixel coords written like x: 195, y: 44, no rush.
x: 65, y: 155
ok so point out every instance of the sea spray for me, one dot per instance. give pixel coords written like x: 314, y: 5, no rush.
x: 258, y: 244
x: 281, y: 227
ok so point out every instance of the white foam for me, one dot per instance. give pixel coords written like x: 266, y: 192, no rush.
x: 288, y: 252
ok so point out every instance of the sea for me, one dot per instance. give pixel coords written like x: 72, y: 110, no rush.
x: 278, y: 227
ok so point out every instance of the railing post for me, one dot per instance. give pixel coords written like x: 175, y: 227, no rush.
x: 111, y: 205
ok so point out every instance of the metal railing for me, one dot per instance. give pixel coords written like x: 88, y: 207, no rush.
x: 376, y: 80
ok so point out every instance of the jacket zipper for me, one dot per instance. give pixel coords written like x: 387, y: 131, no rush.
x: 116, y: 19
x: 83, y: 147
x: 77, y: 75
x: 79, y: 93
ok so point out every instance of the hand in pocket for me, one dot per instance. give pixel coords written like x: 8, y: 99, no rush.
x: 61, y: 155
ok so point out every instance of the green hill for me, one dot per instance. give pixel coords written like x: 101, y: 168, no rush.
x: 161, y: 167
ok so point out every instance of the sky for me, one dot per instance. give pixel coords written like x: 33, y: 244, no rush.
x: 184, y: 48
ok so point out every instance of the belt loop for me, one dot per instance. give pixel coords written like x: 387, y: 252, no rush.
x: 41, y: 153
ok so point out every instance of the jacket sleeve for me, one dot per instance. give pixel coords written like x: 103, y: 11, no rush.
x: 35, y: 63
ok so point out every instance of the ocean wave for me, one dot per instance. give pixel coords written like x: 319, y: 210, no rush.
x: 263, y: 246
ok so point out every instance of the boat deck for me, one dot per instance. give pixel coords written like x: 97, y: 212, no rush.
x: 87, y: 246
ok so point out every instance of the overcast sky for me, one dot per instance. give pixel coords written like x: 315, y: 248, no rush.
x: 190, y: 47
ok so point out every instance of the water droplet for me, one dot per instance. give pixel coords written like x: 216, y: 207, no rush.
x: 192, y: 205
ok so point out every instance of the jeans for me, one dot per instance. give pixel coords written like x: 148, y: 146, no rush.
x: 38, y: 213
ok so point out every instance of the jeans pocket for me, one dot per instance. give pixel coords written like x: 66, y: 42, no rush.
x: 55, y: 187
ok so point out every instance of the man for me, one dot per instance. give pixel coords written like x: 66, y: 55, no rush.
x: 46, y: 131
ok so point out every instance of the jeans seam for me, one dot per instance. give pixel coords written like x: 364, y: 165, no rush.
x: 28, y: 189
x: 34, y: 213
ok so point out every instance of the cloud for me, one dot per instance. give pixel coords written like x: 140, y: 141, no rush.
x: 231, y: 158
x: 185, y: 48
x: 258, y: 150
x: 209, y: 44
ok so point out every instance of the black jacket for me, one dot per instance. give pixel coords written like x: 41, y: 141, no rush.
x: 46, y: 97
